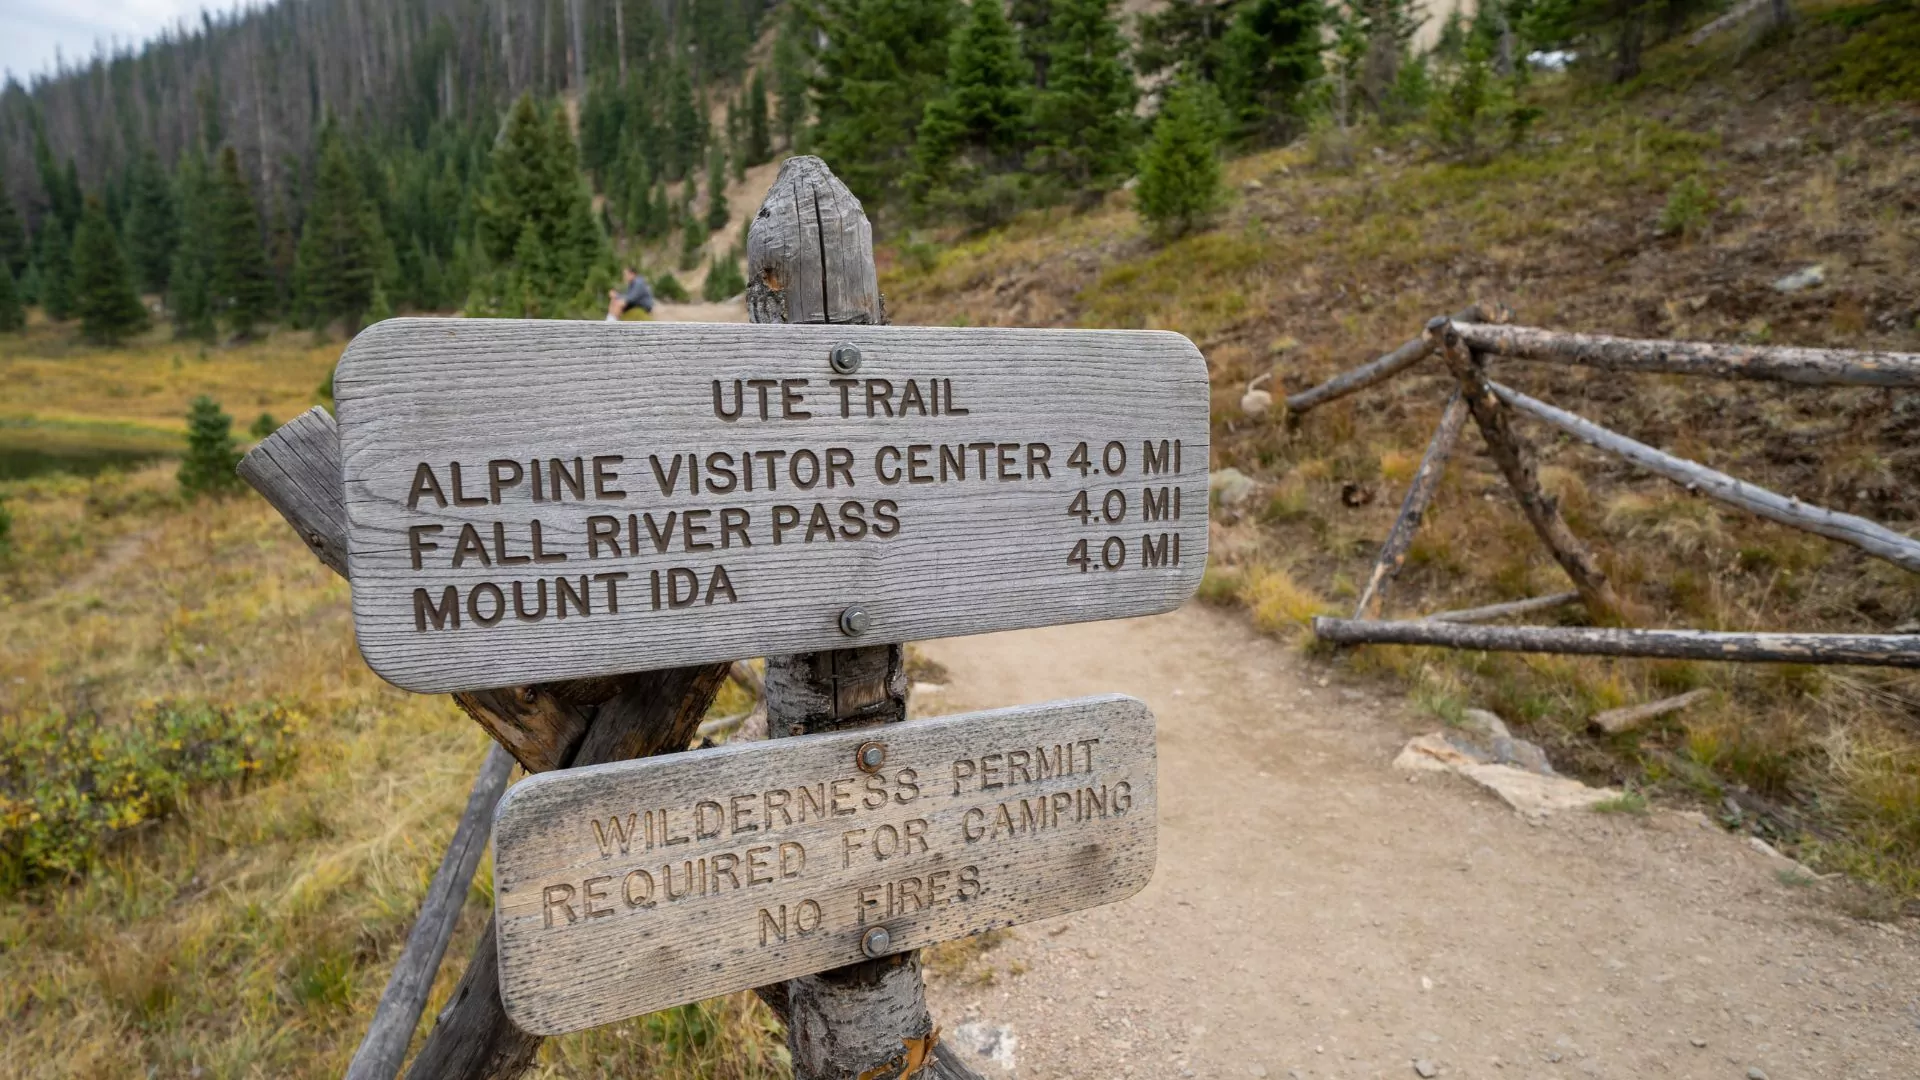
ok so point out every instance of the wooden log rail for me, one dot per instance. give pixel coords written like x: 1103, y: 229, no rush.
x: 1386, y: 367
x: 1871, y: 537
x: 1500, y: 611
x: 384, y: 1048
x: 1413, y: 509
x: 1808, y: 367
x: 1873, y: 650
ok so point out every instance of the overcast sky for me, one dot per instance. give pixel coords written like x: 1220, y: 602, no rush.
x: 31, y: 30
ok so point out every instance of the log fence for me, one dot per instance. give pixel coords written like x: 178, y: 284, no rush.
x: 1465, y: 343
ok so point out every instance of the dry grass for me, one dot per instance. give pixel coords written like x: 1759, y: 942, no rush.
x: 1317, y: 266
x: 251, y: 933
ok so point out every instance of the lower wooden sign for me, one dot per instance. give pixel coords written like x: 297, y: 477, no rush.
x: 626, y: 888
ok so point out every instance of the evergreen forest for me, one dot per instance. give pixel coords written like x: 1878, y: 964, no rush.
x: 333, y: 162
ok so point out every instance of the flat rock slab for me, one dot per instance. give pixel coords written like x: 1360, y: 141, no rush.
x: 530, y: 501
x: 626, y: 888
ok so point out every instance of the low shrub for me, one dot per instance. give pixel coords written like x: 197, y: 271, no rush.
x: 69, y: 785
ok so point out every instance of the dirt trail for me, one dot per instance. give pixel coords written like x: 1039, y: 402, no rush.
x: 1317, y: 914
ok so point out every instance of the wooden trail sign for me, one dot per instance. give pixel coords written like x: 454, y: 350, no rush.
x: 530, y: 501
x: 626, y: 888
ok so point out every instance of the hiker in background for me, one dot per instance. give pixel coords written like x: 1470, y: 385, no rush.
x: 636, y: 294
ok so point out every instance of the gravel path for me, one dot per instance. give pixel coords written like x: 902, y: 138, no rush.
x: 1317, y: 914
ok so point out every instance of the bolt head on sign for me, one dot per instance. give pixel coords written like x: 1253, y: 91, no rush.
x: 626, y: 888
x: 530, y: 501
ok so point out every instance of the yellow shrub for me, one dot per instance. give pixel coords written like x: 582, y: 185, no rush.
x: 1278, y: 603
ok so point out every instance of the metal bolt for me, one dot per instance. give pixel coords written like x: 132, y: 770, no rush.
x: 854, y: 621
x: 870, y: 756
x: 845, y: 358
x: 876, y: 941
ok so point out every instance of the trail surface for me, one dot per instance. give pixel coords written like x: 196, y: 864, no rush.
x: 1317, y: 914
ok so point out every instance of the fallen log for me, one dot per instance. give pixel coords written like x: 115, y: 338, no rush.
x: 1872, y: 650
x: 1500, y: 611
x: 1413, y: 509
x: 1869, y: 536
x: 1809, y: 367
x: 1516, y: 463
x: 384, y: 1047
x: 1386, y: 367
x: 1623, y: 720
x: 1740, y: 13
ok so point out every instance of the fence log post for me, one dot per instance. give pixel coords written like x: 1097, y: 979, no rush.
x: 810, y: 260
x: 1413, y: 509
x: 1873, y: 650
x: 1516, y: 463
x: 384, y: 1047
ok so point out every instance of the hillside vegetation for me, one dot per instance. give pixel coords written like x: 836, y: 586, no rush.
x: 1666, y: 207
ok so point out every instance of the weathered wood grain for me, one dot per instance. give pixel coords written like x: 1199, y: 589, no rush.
x: 1490, y: 612
x: 1809, y: 367
x: 966, y: 555
x: 1413, y: 509
x: 656, y: 713
x: 297, y: 470
x: 1625, y: 719
x: 590, y: 933
x: 810, y: 251
x: 1516, y: 462
x: 1386, y: 367
x: 1869, y: 536
x: 384, y: 1047
x: 1874, y: 650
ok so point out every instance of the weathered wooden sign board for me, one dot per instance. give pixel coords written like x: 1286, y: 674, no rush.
x: 530, y: 501
x: 625, y: 888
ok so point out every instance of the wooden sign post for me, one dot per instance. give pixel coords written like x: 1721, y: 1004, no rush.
x: 627, y: 888
x: 529, y: 501
x: 575, y: 527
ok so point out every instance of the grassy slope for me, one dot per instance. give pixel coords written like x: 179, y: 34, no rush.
x: 252, y: 933
x: 1314, y: 267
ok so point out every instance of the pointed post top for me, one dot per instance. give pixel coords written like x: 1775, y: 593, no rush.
x: 810, y: 251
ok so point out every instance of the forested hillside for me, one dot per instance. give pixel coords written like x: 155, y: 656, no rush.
x: 341, y: 160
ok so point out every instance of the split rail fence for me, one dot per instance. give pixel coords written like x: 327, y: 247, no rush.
x: 1466, y: 342
x: 867, y: 1020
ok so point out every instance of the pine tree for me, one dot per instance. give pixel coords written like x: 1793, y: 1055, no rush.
x: 1180, y: 170
x: 1183, y: 39
x: 973, y: 135
x: 189, y: 278
x: 152, y: 226
x: 211, y: 457
x: 103, y: 294
x: 716, y: 190
x: 535, y: 220
x: 337, y: 267
x: 686, y: 126
x: 724, y: 279
x: 1038, y: 35
x: 241, y: 283
x: 53, y: 258
x: 12, y: 315
x: 759, y: 136
x: 882, y: 62
x: 791, y: 70
x: 1270, y: 56
x: 1084, y: 118
x: 14, y: 252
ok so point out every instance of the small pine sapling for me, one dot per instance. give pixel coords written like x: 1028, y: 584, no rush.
x: 1180, y: 170
x: 208, y: 467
